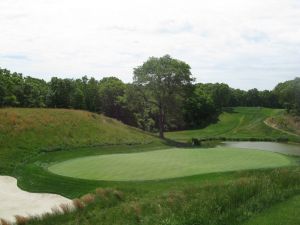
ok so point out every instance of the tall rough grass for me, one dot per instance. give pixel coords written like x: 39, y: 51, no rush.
x: 211, y: 204
x: 231, y: 203
x: 105, y: 198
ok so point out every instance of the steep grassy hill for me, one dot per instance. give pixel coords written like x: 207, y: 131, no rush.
x: 240, y: 122
x: 26, y: 132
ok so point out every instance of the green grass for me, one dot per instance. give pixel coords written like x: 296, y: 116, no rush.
x: 169, y: 163
x: 25, y: 133
x: 31, y: 140
x: 285, y: 213
x: 239, y: 122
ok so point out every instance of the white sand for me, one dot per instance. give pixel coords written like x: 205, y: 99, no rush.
x: 14, y: 201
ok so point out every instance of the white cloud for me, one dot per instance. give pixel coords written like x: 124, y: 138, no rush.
x: 241, y: 42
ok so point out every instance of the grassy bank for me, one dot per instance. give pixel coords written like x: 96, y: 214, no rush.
x: 25, y: 133
x: 240, y: 123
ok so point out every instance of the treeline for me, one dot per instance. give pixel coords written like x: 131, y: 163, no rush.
x: 201, y: 102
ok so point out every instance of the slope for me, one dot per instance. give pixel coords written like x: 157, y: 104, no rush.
x: 27, y: 132
x: 240, y: 122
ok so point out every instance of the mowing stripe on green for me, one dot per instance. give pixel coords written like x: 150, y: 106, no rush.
x: 169, y: 163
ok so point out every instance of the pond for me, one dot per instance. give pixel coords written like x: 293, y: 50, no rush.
x: 14, y: 201
x: 284, y: 148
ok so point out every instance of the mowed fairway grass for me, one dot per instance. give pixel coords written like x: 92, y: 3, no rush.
x: 239, y: 122
x: 170, y: 163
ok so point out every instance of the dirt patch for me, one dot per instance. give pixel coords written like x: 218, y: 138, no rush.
x: 287, y: 124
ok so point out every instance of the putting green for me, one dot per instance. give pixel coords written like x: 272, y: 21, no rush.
x: 169, y: 163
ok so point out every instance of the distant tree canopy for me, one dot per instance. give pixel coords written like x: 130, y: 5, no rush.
x: 288, y: 94
x: 161, y: 97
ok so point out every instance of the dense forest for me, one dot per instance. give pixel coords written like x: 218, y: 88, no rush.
x: 196, y: 105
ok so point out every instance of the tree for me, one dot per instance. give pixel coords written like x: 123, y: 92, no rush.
x: 253, y: 98
x: 288, y: 94
x: 219, y: 93
x: 268, y: 99
x: 162, y: 83
x: 139, y: 111
x: 110, y: 90
x: 199, y: 108
x: 11, y: 88
x: 91, y: 94
x: 237, y: 97
x: 34, y: 92
x: 60, y: 93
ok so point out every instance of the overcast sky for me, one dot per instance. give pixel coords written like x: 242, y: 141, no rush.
x: 245, y: 43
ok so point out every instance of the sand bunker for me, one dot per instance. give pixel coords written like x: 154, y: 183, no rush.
x: 14, y: 201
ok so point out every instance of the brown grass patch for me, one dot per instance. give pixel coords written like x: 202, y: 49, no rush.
x: 88, y: 198
x: 21, y: 220
x: 78, y: 204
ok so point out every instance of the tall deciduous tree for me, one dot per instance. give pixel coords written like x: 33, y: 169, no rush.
x: 162, y: 82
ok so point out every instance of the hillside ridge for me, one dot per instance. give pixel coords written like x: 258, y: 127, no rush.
x: 27, y: 131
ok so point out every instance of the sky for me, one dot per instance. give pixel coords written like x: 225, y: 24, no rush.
x: 244, y: 43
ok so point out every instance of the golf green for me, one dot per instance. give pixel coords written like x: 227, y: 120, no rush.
x: 170, y: 163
